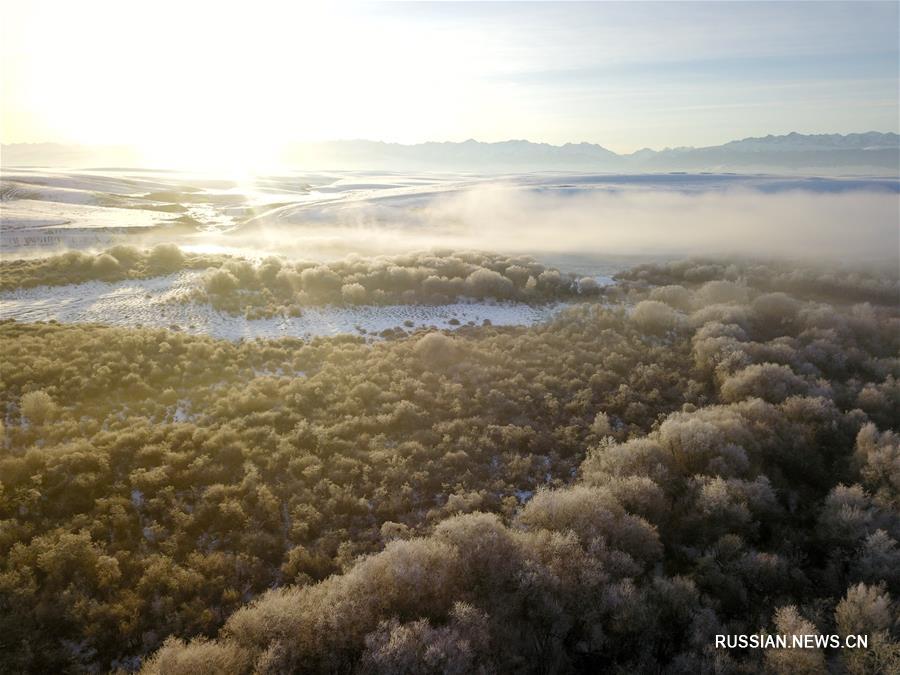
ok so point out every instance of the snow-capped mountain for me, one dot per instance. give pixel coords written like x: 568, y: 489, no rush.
x: 870, y: 152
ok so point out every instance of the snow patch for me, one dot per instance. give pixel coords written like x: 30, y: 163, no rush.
x: 158, y: 302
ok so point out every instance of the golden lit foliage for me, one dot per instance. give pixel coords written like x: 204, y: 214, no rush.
x: 602, y: 491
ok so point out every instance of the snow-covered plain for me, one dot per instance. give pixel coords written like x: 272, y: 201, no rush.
x: 158, y: 303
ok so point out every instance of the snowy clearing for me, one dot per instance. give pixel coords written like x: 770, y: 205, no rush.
x: 157, y: 303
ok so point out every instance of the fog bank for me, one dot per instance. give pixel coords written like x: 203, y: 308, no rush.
x: 856, y: 226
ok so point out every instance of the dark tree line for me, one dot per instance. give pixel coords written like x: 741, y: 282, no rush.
x: 274, y: 286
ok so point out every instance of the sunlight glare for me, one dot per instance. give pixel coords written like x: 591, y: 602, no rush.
x: 218, y: 87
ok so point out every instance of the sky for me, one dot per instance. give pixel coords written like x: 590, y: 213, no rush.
x: 204, y: 77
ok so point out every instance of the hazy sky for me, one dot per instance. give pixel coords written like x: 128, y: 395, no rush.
x: 200, y: 76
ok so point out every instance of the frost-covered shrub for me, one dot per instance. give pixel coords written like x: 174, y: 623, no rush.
x: 221, y: 282
x: 588, y: 286
x: 487, y: 283
x: 721, y: 292
x: 673, y: 295
x: 165, y: 258
x: 788, y: 621
x: 105, y: 265
x: 199, y: 656
x: 127, y: 256
x: 769, y: 381
x: 774, y: 308
x: 320, y: 279
x: 37, y: 407
x: 653, y: 316
x: 437, y: 350
x: 354, y: 294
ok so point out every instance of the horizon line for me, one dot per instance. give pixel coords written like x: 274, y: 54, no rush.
x: 594, y: 144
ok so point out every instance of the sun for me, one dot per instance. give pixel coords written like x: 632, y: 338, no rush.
x: 221, y: 88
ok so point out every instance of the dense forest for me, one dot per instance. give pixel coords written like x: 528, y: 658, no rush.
x: 705, y: 448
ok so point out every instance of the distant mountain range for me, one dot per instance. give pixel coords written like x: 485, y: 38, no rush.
x: 870, y: 152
